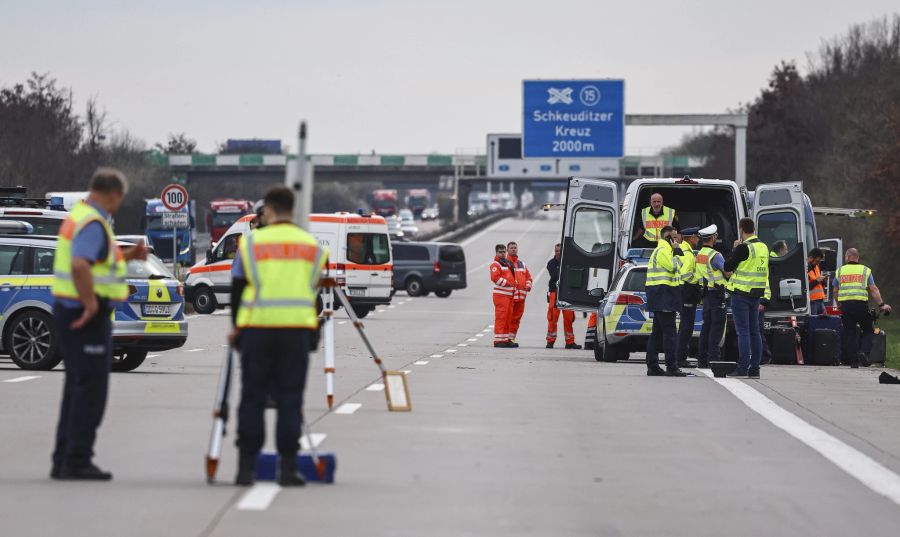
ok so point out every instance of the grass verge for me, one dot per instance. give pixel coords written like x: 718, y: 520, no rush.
x: 891, y: 325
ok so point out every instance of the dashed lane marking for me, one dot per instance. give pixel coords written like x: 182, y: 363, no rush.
x: 23, y: 379
x: 479, y: 335
x: 450, y: 350
x: 347, y: 408
x: 317, y: 438
x: 392, y: 306
x: 377, y: 387
x: 189, y: 317
x: 259, y: 497
x: 421, y: 362
x: 407, y: 371
x: 471, y: 339
x: 462, y: 344
x: 152, y: 355
x: 193, y: 350
x: 222, y: 312
x: 856, y: 463
x: 342, y: 322
x: 437, y: 356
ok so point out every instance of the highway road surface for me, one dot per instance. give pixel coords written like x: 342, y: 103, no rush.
x: 527, y: 441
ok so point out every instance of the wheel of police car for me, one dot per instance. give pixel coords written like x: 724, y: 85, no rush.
x: 414, y: 287
x: 128, y: 361
x: 32, y: 342
x: 613, y: 353
x: 204, y: 300
x: 361, y: 311
x: 443, y: 294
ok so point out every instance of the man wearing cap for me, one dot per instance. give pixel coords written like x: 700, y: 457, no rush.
x: 710, y: 266
x: 690, y: 291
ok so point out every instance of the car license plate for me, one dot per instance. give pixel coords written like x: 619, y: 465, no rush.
x: 452, y: 276
x: 767, y: 325
x: 157, y: 309
x: 356, y: 292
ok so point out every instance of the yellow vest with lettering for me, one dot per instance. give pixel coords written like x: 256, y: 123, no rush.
x: 753, y: 272
x: 853, y: 282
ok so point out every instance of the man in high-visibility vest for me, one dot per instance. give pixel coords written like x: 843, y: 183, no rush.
x: 653, y: 219
x: 816, y: 282
x: 664, y: 301
x: 855, y: 284
x: 748, y: 272
x: 690, y: 291
x: 710, y: 265
x: 88, y: 278
x: 275, y: 279
x: 523, y: 287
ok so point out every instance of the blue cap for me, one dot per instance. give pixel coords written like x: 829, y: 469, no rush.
x: 690, y: 231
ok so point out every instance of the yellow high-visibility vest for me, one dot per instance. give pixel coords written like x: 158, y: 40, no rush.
x: 282, y: 264
x: 704, y: 268
x: 109, y: 273
x: 654, y: 224
x: 753, y: 272
x: 688, y: 265
x: 662, y: 269
x: 853, y: 282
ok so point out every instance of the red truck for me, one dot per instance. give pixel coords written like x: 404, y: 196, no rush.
x: 224, y: 212
x: 418, y: 199
x: 384, y: 202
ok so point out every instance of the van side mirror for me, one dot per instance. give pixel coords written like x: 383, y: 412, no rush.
x: 598, y: 292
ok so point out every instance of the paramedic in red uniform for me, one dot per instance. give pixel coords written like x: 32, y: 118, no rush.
x: 504, y: 287
x: 523, y: 287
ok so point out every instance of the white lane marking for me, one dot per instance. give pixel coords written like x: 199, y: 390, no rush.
x: 478, y: 335
x: 471, y: 339
x: 450, y: 350
x: 23, y: 379
x: 347, y: 408
x: 479, y: 267
x: 486, y: 330
x: 489, y: 326
x: 407, y: 300
x: 189, y: 317
x: 222, y: 312
x: 259, y: 497
x: 437, y: 356
x: 377, y: 387
x: 342, y: 322
x: 407, y: 371
x: 317, y: 438
x: 193, y: 350
x: 856, y: 463
x: 382, y: 311
x: 392, y: 306
x: 421, y: 362
x: 481, y: 233
x: 462, y: 344
x: 152, y: 355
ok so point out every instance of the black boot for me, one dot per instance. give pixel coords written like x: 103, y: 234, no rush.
x: 287, y: 475
x: 246, y: 470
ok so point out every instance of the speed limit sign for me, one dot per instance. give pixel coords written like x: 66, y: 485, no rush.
x: 174, y: 197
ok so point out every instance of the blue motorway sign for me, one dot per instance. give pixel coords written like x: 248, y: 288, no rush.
x: 573, y: 118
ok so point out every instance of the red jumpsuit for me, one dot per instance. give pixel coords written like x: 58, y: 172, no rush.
x: 590, y: 337
x: 523, y: 287
x: 553, y: 320
x: 504, y: 287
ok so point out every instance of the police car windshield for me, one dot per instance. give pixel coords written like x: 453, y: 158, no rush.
x: 150, y: 269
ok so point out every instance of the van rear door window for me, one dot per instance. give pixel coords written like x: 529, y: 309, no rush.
x: 778, y: 226
x: 368, y: 248
x: 452, y: 254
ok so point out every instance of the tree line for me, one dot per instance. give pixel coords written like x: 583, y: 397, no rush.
x: 835, y: 126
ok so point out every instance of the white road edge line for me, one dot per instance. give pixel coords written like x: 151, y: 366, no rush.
x: 342, y: 322
x: 450, y: 350
x: 421, y: 362
x: 193, y: 350
x: 347, y: 408
x: 377, y: 387
x: 23, y: 379
x: 152, y: 355
x: 857, y: 464
x: 436, y: 356
x: 259, y: 497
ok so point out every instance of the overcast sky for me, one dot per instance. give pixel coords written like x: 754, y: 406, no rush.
x: 402, y: 76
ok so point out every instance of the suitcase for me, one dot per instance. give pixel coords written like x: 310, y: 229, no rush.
x: 879, y: 347
x: 784, y: 344
x: 823, y: 340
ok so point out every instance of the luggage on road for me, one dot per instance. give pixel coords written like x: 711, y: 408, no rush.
x: 823, y: 340
x: 879, y: 347
x: 784, y: 344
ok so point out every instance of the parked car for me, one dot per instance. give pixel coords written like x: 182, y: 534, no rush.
x: 152, y: 318
x: 409, y: 228
x: 423, y: 267
x: 394, y: 229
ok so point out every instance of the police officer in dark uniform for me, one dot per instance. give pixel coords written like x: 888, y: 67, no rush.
x: 88, y: 276
x: 664, y: 301
x: 711, y: 264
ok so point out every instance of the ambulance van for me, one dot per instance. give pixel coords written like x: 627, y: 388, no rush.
x: 360, y: 260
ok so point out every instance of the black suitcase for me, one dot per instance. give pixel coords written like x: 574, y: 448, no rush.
x: 784, y: 344
x: 823, y: 348
x: 879, y: 348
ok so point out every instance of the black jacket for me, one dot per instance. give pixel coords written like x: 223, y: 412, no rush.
x: 553, y: 271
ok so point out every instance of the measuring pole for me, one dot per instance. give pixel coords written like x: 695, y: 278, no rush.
x: 299, y: 179
x: 328, y: 336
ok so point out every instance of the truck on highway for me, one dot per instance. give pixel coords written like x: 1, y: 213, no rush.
x: 223, y: 213
x: 384, y: 202
x: 417, y: 200
x: 161, y: 236
x: 598, y: 228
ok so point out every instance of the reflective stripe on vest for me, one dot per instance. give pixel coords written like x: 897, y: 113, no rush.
x: 688, y: 265
x: 657, y: 275
x: 653, y: 224
x: 705, y: 269
x: 108, y: 274
x: 753, y: 272
x: 853, y: 282
x: 283, y: 264
x: 816, y: 290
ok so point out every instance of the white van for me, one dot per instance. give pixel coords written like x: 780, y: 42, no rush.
x: 598, y: 232
x: 360, y: 260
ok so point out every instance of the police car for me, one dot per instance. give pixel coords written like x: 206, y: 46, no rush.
x: 152, y: 318
x: 624, y: 324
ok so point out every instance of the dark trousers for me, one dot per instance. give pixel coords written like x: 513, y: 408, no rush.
x: 713, y: 326
x: 766, y: 352
x: 662, y: 337
x: 87, y: 354
x: 273, y: 361
x: 686, y: 330
x: 745, y: 310
x: 855, y: 316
